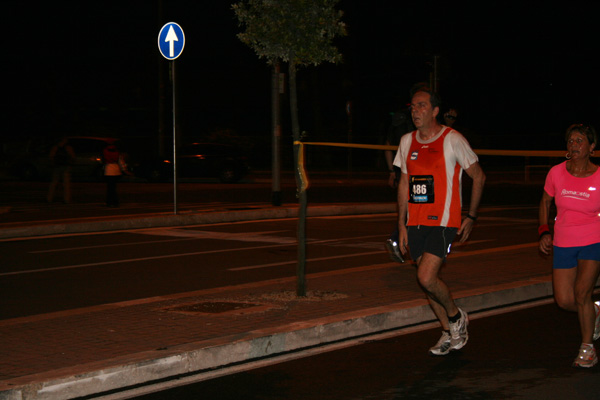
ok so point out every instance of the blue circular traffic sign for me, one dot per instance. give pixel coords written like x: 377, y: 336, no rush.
x: 171, y: 41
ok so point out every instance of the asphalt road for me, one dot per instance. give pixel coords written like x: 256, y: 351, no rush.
x: 51, y: 274
x: 42, y: 275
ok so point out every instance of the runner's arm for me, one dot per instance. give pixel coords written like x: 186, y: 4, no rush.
x: 402, y: 212
x: 476, y: 173
x: 545, y: 239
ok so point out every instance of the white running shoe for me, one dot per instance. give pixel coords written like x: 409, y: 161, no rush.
x: 442, y: 347
x: 458, y: 331
x: 587, y: 356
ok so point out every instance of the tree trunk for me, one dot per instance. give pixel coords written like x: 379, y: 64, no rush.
x: 301, y: 267
x: 276, y: 139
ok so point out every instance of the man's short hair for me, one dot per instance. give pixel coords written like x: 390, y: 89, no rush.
x: 434, y: 97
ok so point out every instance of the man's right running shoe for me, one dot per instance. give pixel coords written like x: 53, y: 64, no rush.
x: 597, y: 325
x: 442, y: 347
x: 458, y: 331
x: 587, y: 356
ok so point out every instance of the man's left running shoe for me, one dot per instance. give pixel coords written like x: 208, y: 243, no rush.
x: 442, y: 347
x: 458, y: 331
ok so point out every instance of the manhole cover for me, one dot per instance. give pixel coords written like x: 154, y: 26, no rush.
x: 219, y: 308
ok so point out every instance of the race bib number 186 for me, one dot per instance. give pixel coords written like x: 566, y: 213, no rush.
x: 421, y: 189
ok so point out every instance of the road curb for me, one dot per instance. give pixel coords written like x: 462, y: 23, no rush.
x: 192, y: 218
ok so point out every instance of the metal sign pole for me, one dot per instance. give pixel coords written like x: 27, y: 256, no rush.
x: 174, y: 141
x: 171, y: 41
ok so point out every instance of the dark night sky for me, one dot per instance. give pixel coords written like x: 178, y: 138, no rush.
x: 514, y: 71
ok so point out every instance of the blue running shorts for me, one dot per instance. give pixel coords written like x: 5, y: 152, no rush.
x: 566, y: 257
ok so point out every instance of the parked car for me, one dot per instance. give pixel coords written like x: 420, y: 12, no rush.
x: 33, y: 161
x: 196, y: 160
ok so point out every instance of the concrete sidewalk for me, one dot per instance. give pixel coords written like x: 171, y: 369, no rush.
x: 123, y: 349
x: 110, y: 347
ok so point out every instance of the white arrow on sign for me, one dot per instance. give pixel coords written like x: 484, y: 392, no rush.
x: 171, y: 38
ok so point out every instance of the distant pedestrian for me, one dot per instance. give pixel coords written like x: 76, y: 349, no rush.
x: 450, y: 117
x: 432, y: 159
x: 62, y: 157
x: 114, y: 168
x: 574, y: 185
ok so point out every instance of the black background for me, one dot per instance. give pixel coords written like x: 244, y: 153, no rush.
x: 519, y: 74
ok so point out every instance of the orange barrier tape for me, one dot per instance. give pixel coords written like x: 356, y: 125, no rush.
x: 353, y: 145
x: 522, y: 153
x: 482, y: 152
x: 304, y: 182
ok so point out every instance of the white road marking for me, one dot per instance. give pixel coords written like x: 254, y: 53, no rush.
x: 109, y: 245
x: 168, y: 256
x: 452, y: 255
x: 131, y: 260
x: 182, y: 235
x: 266, y: 237
x: 256, y: 237
x: 262, y: 236
x: 309, y: 260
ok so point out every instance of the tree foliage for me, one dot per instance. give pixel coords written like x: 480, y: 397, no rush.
x: 300, y: 32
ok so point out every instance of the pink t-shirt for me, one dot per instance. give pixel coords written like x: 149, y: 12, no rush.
x: 578, y: 206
